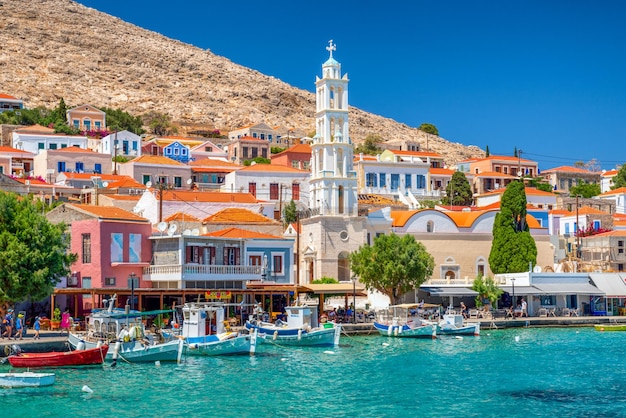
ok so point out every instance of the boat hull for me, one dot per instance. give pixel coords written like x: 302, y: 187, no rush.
x: 404, y: 331
x: 469, y: 329
x: 319, y: 337
x: 134, y: 351
x: 86, y: 357
x: 213, y: 346
x: 26, y: 379
x: 610, y: 327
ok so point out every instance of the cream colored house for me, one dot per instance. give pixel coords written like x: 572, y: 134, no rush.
x: 86, y: 118
x: 49, y: 163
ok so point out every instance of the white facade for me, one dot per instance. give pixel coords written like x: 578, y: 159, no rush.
x: 333, y: 179
x: 34, y: 141
x: 128, y: 144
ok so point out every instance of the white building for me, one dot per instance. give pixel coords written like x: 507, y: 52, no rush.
x: 128, y: 144
x: 36, y: 138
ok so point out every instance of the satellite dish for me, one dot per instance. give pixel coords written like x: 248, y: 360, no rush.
x: 105, y: 184
x: 195, y: 232
x: 148, y: 184
x: 187, y: 232
x: 519, y: 173
x: 162, y: 226
x: 537, y: 269
x: 173, y: 228
x: 188, y: 181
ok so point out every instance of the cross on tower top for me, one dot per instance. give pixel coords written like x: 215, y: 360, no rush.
x: 331, y: 47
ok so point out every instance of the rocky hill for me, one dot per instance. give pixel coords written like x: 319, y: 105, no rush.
x: 58, y: 48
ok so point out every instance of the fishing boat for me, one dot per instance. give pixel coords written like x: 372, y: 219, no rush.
x: 610, y: 327
x: 301, y: 329
x: 86, y: 357
x: 26, y: 379
x: 404, y: 321
x: 204, y: 332
x: 452, y: 324
x: 125, y: 332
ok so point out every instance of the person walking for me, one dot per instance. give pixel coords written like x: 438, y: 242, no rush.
x: 19, y: 325
x: 524, y: 308
x: 37, y: 327
x: 8, y: 323
x: 65, y: 322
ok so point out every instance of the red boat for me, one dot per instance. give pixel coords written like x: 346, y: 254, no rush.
x: 57, y: 358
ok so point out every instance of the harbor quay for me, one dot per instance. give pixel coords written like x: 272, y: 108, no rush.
x: 55, y: 341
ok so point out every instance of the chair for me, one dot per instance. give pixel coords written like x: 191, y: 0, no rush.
x: 565, y: 312
x: 574, y: 312
x: 543, y: 312
x: 473, y: 313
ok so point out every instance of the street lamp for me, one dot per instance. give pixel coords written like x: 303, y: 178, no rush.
x: 513, y: 305
x: 354, y: 298
x: 131, y: 283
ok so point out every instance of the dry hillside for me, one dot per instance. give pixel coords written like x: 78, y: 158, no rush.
x: 58, y: 48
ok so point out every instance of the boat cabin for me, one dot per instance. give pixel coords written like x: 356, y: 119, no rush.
x: 302, y: 316
x: 202, y: 319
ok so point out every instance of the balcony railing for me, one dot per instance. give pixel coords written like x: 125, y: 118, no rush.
x: 201, y: 272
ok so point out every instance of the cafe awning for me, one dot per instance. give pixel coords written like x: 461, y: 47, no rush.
x: 334, y: 289
x: 567, y: 289
x: 612, y: 284
x: 522, y: 290
x: 449, y: 291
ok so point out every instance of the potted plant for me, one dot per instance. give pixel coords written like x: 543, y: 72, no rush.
x: 55, y: 323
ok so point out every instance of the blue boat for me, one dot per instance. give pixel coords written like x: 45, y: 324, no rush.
x: 205, y: 335
x: 454, y: 325
x: 301, y: 329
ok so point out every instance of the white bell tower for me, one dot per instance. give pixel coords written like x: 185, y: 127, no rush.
x: 333, y: 182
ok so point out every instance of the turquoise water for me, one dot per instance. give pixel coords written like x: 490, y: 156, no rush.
x: 543, y: 372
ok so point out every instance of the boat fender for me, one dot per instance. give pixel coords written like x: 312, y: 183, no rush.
x: 299, y: 334
x: 80, y: 345
x: 99, y: 344
x: 399, y: 329
x: 395, y: 332
x: 193, y: 346
x: 116, y: 349
x: 389, y: 329
x: 275, y: 334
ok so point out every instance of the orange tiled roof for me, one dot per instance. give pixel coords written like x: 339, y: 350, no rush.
x: 155, y: 159
x: 618, y: 233
x: 7, y: 96
x: 238, y: 215
x: 609, y: 173
x: 366, y: 157
x: 110, y: 212
x: 298, y: 148
x: 75, y: 149
x: 493, y: 174
x: 210, y: 162
x: 418, y: 153
x: 567, y: 169
x: 401, y: 217
x: 127, y: 197
x: 564, y: 212
x: 10, y: 150
x: 207, y: 197
x: 441, y: 171
x: 239, y: 233
x: 182, y: 217
x: 506, y: 158
x: 619, y: 190
x: 127, y: 182
x: 88, y: 176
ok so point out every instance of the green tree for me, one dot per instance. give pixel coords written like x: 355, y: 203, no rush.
x: 290, y: 213
x: 276, y: 150
x: 487, y: 289
x: 487, y: 151
x: 458, y: 191
x: 620, y: 178
x: 370, y: 145
x: 515, y: 152
x: 257, y: 160
x: 119, y: 120
x: 33, y: 252
x: 160, y: 124
x: 512, y: 248
x: 584, y: 189
x: 394, y: 265
x: 429, y: 128
x: 325, y: 280
x: 540, y: 184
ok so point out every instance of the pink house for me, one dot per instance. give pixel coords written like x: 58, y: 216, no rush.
x: 112, y: 247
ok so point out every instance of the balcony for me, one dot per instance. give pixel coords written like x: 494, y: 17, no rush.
x: 176, y: 272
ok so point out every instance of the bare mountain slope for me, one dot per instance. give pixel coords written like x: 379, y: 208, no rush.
x: 58, y: 48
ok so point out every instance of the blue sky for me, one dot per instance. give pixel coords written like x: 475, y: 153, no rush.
x: 546, y: 77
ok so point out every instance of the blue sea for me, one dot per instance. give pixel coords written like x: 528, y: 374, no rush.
x: 572, y: 372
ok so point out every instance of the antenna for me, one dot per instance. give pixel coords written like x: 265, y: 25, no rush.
x: 162, y: 226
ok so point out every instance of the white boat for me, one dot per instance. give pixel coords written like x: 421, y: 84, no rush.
x: 453, y: 324
x: 404, y: 321
x: 26, y: 379
x: 126, y: 335
x: 205, y: 335
x: 301, y: 329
